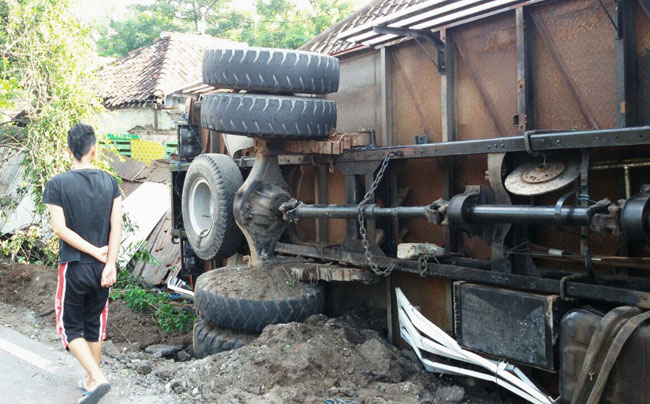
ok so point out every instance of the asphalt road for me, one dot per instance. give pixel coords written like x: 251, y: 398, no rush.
x: 34, y: 373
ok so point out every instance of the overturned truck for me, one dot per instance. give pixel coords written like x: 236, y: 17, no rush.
x: 480, y: 170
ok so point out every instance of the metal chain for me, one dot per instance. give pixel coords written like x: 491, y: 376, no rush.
x: 362, y: 222
x: 423, y: 263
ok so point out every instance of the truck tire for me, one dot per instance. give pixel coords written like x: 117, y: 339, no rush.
x: 209, y: 340
x: 271, y: 70
x: 268, y: 116
x: 208, y: 194
x: 253, y: 315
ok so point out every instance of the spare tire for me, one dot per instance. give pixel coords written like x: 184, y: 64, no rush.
x: 208, y: 194
x: 271, y: 70
x: 209, y: 340
x: 218, y: 299
x: 268, y: 116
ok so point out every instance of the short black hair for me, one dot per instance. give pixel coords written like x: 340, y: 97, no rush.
x: 81, y: 138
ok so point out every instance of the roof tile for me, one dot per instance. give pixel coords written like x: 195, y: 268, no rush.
x: 148, y: 74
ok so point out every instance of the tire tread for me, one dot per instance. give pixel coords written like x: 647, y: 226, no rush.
x: 271, y: 70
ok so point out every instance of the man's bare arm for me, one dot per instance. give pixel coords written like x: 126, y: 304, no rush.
x: 71, y: 237
x: 109, y: 275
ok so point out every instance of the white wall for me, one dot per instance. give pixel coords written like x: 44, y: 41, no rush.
x: 139, y: 120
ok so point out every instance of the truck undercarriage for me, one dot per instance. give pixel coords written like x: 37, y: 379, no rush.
x: 528, y: 244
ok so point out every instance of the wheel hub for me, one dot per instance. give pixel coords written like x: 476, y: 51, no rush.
x: 257, y: 206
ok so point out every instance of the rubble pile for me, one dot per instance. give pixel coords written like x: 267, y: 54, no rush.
x: 309, y: 362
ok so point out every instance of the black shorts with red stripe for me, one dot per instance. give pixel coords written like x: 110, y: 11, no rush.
x: 81, y: 302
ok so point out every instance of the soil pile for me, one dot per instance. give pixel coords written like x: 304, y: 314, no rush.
x: 29, y: 286
x: 257, y: 283
x: 308, y: 362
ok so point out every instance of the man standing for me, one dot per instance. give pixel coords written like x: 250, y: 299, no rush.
x: 85, y: 207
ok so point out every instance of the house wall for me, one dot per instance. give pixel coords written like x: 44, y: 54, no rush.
x: 141, y: 121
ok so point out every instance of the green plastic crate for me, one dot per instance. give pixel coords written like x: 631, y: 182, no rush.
x: 170, y: 147
x: 122, y: 143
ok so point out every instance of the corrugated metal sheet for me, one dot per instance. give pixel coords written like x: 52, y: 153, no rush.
x: 11, y: 173
x: 157, y: 171
x: 160, y: 246
x: 17, y: 207
x: 356, y: 31
x: 126, y: 168
x: 134, y: 175
x: 429, y: 15
x: 329, y: 43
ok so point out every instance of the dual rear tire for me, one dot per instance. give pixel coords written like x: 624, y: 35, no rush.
x: 276, y: 74
x: 227, y: 321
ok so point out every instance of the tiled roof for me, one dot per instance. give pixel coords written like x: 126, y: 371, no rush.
x: 148, y: 74
x: 327, y: 41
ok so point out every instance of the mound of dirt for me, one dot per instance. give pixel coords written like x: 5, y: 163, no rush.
x: 126, y: 326
x: 256, y: 283
x: 29, y: 286
x: 33, y: 287
x: 309, y: 362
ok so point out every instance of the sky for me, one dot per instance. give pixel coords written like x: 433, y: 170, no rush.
x: 90, y: 10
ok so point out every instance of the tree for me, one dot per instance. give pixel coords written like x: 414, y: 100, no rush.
x: 275, y: 23
x: 285, y: 24
x: 198, y: 13
x: 47, y: 61
x: 142, y: 26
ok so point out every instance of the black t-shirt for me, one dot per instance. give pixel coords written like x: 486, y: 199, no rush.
x: 86, y: 197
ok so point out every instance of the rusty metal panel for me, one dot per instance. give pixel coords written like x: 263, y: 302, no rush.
x: 472, y: 171
x: 416, y: 94
x: 159, y: 243
x: 303, y: 182
x: 433, y: 296
x: 358, y: 100
x: 335, y: 195
x: 487, y: 74
x: 423, y: 178
x: 583, y: 37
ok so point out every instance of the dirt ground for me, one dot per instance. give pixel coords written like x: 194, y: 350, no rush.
x: 33, y: 287
x: 323, y: 360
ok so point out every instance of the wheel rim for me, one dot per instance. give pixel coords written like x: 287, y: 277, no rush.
x: 201, y: 207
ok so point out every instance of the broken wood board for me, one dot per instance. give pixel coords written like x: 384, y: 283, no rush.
x: 335, y: 144
x: 168, y: 255
x: 330, y: 273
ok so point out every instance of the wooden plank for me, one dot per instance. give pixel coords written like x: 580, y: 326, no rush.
x: 330, y: 273
x: 336, y: 144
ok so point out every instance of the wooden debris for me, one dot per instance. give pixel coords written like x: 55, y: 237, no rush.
x: 330, y: 273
